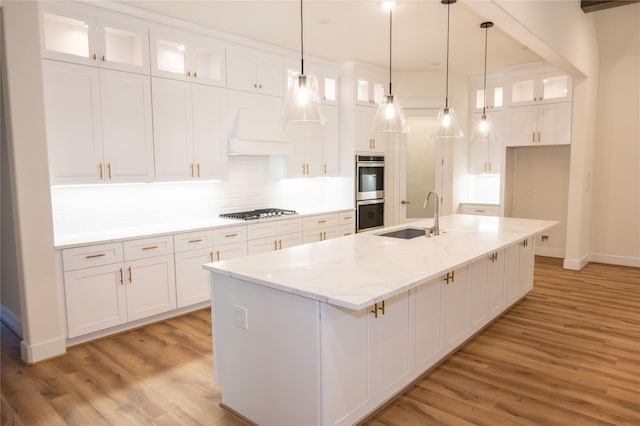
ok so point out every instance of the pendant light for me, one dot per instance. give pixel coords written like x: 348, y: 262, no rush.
x: 302, y: 104
x: 389, y: 118
x: 446, y: 126
x: 483, y: 129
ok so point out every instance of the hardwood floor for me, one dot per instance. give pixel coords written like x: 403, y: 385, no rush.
x: 567, y: 354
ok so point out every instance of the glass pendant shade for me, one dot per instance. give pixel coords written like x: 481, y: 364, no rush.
x: 389, y: 118
x: 447, y: 126
x: 483, y: 130
x: 302, y: 104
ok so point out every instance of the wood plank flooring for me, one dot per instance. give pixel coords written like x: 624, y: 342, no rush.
x: 567, y: 354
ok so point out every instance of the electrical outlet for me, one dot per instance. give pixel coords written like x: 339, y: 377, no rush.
x: 240, y: 317
x: 544, y: 239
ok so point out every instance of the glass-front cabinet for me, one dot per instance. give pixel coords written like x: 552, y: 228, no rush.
x: 540, y: 88
x: 494, y: 99
x: 369, y: 90
x: 187, y: 57
x: 81, y: 36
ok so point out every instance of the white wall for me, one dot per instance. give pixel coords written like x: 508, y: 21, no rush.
x: 616, y: 178
x: 29, y: 177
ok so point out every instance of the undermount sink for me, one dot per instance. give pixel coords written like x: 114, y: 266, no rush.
x: 405, y: 234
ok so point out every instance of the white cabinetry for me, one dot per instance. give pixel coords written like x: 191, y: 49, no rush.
x: 486, y: 156
x: 369, y: 89
x: 428, y: 305
x: 188, y: 57
x: 192, y: 250
x: 273, y: 235
x: 494, y: 101
x: 455, y: 307
x: 229, y: 243
x: 496, y: 283
x: 326, y: 79
x: 254, y: 71
x: 320, y: 227
x: 189, y: 130
x: 98, y: 124
x: 365, y: 140
x: 519, y: 269
x: 534, y: 89
x: 545, y: 124
x: 369, y: 352
x: 110, y: 284
x: 478, y: 290
x: 80, y: 34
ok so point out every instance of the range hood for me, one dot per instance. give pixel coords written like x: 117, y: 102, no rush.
x: 258, y: 132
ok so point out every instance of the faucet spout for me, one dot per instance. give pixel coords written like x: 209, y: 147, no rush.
x: 435, y: 230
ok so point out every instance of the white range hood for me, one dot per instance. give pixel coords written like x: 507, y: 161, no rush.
x: 258, y: 132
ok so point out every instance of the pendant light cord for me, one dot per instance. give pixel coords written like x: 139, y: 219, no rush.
x: 446, y: 97
x: 390, y: 32
x: 484, y: 84
x: 301, y: 41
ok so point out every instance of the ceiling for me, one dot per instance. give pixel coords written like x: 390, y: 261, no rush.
x: 342, y: 30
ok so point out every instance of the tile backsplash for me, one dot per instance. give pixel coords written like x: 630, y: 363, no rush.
x: 249, y: 186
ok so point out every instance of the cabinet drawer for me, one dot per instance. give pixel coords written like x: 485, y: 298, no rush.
x: 262, y: 245
x: 229, y: 235
x: 289, y: 226
x: 261, y: 230
x: 229, y: 251
x: 193, y: 240
x: 148, y: 247
x: 347, y: 218
x: 320, y: 221
x: 89, y: 256
x: 347, y: 229
x: 480, y: 209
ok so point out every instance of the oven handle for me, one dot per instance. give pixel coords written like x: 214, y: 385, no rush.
x: 369, y: 164
x: 368, y: 202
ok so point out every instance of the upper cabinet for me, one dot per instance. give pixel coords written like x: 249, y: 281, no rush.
x: 77, y: 34
x: 494, y: 99
x: 254, y: 71
x: 188, y: 57
x: 98, y: 124
x: 369, y: 89
x: 539, y: 88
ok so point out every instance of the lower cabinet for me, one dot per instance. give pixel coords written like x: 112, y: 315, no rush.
x: 271, y: 236
x: 192, y: 281
x: 496, y: 283
x: 138, y: 281
x: 427, y: 307
x: 519, y: 269
x: 455, y: 307
x: 321, y: 227
x: 366, y: 357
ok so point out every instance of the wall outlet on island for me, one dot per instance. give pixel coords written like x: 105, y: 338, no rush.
x: 544, y: 239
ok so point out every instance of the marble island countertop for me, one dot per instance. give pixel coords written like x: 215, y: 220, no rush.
x: 359, y: 270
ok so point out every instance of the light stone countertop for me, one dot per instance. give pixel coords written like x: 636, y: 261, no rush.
x: 120, y: 233
x: 359, y: 270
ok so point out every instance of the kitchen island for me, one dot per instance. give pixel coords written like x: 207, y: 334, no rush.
x: 325, y: 333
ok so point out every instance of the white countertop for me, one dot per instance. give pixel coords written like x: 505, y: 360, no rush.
x: 68, y: 240
x: 359, y: 270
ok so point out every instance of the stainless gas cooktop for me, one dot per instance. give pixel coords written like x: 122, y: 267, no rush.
x: 258, y: 214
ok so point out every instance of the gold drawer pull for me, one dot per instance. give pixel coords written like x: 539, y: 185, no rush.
x: 195, y: 241
x: 93, y: 256
x: 322, y: 221
x: 348, y: 217
x: 130, y: 275
x: 231, y: 235
x: 150, y: 248
x: 121, y: 277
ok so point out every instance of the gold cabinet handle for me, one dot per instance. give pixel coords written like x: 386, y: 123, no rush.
x: 322, y: 221
x: 450, y: 277
x: 375, y: 311
x: 231, y: 235
x: 121, y: 277
x: 150, y: 248
x: 479, y: 210
x: 188, y: 73
x: 93, y: 256
x: 95, y: 56
x: 100, y: 171
x: 324, y: 167
x: 260, y: 86
x: 538, y: 137
x: 279, y: 244
x: 103, y: 58
x: 303, y: 168
x: 275, y: 244
x: 195, y: 74
x: 533, y: 137
x: 348, y: 217
x: 218, y: 255
x: 198, y: 240
x: 211, y: 255
x: 191, y: 166
x: 525, y: 243
x: 307, y: 169
x: 109, y: 170
x: 255, y: 85
x: 381, y: 307
x: 198, y: 168
x: 130, y: 275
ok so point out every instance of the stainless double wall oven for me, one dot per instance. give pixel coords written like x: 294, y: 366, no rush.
x: 369, y: 192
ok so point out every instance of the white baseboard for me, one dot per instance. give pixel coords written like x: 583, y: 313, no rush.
x: 549, y: 251
x: 44, y: 350
x: 576, y: 264
x: 616, y: 260
x: 11, y: 320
